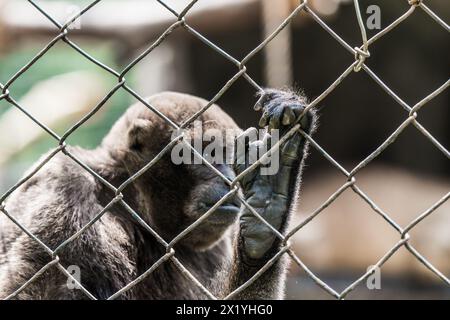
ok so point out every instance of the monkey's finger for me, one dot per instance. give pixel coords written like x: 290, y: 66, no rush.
x: 276, y: 116
x: 292, y: 150
x: 264, y: 119
x: 274, y: 122
x: 288, y: 116
x: 306, y: 121
x: 260, y: 103
x: 307, y: 117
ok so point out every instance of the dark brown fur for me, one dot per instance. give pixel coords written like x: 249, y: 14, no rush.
x: 62, y: 197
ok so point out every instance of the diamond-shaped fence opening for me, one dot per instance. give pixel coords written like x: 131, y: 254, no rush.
x: 181, y: 21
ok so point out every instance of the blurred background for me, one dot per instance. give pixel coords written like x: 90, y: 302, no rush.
x: 348, y: 236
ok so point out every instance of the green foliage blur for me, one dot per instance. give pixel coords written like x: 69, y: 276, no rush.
x: 61, y: 59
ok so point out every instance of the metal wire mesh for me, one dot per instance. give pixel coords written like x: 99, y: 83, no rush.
x: 360, y: 53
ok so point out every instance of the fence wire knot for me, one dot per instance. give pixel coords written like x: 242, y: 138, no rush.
x: 414, y: 3
x: 360, y: 56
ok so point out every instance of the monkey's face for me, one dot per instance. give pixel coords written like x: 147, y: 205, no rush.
x: 179, y: 195
x: 175, y: 194
x: 195, y: 190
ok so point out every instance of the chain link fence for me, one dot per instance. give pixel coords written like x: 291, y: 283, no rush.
x: 360, y: 54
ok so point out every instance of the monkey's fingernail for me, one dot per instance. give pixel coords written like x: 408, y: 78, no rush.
x: 259, y: 104
x: 264, y: 119
x: 274, y: 123
x: 288, y: 116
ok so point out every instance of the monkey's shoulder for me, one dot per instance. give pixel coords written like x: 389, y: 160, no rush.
x: 59, y: 175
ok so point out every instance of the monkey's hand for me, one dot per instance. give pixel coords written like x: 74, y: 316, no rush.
x: 270, y: 189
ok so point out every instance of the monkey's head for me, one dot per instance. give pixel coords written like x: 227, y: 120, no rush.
x: 178, y: 189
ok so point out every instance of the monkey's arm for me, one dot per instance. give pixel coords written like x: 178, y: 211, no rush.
x: 272, y: 194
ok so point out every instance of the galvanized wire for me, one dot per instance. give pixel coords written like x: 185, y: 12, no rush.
x: 361, y: 54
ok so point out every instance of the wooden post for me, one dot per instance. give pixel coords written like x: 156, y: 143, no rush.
x: 278, y: 55
x: 3, y: 33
